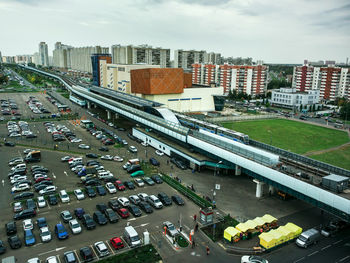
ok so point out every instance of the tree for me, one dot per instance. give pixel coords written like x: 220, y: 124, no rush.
x: 345, y: 111
x: 301, y: 107
x: 313, y: 107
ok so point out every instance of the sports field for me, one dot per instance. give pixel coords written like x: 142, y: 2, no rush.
x: 290, y: 135
x: 340, y: 157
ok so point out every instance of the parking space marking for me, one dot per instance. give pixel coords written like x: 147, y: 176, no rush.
x: 344, y: 258
x: 93, y: 250
x: 313, y: 253
x: 126, y: 245
x: 107, y: 242
x: 326, y: 247
x: 337, y: 242
x: 65, y: 173
x: 76, y: 254
x: 43, y: 213
x: 38, y: 244
x: 58, y: 258
x: 53, y: 175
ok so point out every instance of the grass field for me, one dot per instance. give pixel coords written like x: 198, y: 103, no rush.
x: 294, y: 136
x: 339, y: 157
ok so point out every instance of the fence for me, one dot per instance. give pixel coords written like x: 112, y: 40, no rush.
x: 243, y: 118
x: 300, y: 158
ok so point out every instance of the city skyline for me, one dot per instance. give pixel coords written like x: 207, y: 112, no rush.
x: 274, y: 32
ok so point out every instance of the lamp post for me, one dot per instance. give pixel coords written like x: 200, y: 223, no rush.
x: 214, y: 193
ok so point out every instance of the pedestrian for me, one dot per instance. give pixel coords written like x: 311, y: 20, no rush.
x: 208, y: 251
x: 195, y: 217
x: 193, y: 244
x: 196, y: 227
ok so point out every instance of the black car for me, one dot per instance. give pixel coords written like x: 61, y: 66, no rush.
x: 14, y: 242
x: 91, y: 155
x: 90, y: 191
x: 104, y: 149
x: 114, y: 204
x: 111, y: 215
x: 40, y: 186
x: 26, y: 181
x: 39, y: 169
x: 17, y: 171
x: 79, y: 212
x: 110, y: 180
x: 26, y: 213
x: 10, y: 144
x: 2, y: 247
x: 178, y: 163
x: 164, y: 198
x: 100, y: 218
x: 88, y: 221
x: 121, y: 129
x: 129, y: 184
x: 30, y: 204
x: 92, y: 182
x: 177, y: 200
x: 132, y: 137
x: 134, y: 210
x: 157, y: 179
x: 30, y: 136
x: 154, y: 161
x: 24, y: 195
x: 52, y: 199
x: 92, y: 162
x: 146, y: 207
x: 34, y: 167
x: 11, y: 228
x: 101, y: 207
x: 86, y: 254
x: 101, y: 190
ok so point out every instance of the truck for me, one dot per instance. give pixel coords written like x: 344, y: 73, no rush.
x: 130, y: 163
x: 33, y: 156
x: 87, y: 170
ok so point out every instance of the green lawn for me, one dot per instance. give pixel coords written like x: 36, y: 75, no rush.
x: 294, y: 136
x: 339, y: 157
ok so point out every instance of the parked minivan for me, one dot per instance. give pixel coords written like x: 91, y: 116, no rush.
x: 131, y: 237
x: 308, y: 238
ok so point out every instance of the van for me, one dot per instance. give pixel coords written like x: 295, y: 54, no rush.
x: 131, y: 237
x: 308, y: 238
x: 75, y: 162
x: 64, y: 196
x: 19, y: 167
x: 11, y: 259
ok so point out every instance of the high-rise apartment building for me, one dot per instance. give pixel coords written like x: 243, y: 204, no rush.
x: 332, y: 81
x: 97, y: 61
x: 142, y: 54
x: 251, y: 80
x: 186, y: 58
x: 23, y: 59
x: 43, y: 54
x: 60, y: 56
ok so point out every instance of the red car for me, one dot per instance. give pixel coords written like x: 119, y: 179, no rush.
x: 40, y: 179
x: 120, y: 186
x: 123, y: 212
x: 117, y: 242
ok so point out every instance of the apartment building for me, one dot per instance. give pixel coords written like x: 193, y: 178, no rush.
x: 251, y: 80
x: 186, y: 58
x: 290, y: 98
x: 332, y: 81
x: 143, y: 54
x: 43, y: 54
x: 98, y: 61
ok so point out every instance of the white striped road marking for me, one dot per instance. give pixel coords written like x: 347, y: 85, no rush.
x: 58, y: 258
x: 300, y: 259
x: 76, y: 255
x: 53, y: 175
x: 337, y: 242
x: 65, y: 173
x: 93, y: 250
x: 43, y: 213
x: 344, y: 258
x: 132, y: 219
x: 313, y: 253
x: 326, y: 247
x: 107, y: 242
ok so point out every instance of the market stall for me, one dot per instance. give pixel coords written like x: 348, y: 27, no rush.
x: 296, y: 230
x: 232, y: 234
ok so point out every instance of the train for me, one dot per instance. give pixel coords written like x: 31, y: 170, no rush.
x: 80, y: 102
x: 212, y: 128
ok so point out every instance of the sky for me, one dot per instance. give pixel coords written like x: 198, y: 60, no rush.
x: 275, y: 31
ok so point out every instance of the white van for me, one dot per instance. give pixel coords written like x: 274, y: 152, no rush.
x: 19, y: 166
x: 309, y: 237
x: 131, y: 237
x: 64, y: 196
x: 75, y: 161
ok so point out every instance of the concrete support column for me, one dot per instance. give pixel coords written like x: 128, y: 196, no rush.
x: 237, y: 170
x: 259, y: 188
x: 89, y: 105
x: 116, y: 116
x: 271, y: 190
x: 95, y: 106
x: 109, y: 116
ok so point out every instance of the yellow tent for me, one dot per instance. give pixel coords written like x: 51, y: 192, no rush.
x: 269, y: 218
x: 244, y: 227
x: 278, y: 236
x: 259, y: 221
x: 286, y: 232
x: 231, y: 232
x: 295, y: 229
x: 267, y: 240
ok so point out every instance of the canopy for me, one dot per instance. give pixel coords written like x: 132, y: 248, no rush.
x: 294, y: 229
x: 230, y: 232
x: 259, y: 221
x: 244, y: 227
x: 267, y: 240
x: 278, y: 236
x: 286, y: 232
x: 269, y: 218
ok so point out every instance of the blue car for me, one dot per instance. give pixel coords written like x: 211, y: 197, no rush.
x: 61, y: 231
x: 29, y: 237
x: 41, y: 222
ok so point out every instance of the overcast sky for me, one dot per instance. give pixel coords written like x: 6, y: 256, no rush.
x: 279, y: 31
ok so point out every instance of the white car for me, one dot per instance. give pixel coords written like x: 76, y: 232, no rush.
x: 52, y: 259
x: 111, y: 188
x: 134, y: 199
x: 123, y: 201
x: 75, y: 226
x: 110, y: 124
x: 79, y: 194
x: 27, y: 151
x: 101, y: 249
x: 20, y: 187
x: 48, y: 190
x: 76, y: 140
x: 155, y: 202
x: 65, y: 158
x: 39, y: 175
x: 45, y: 234
x: 17, y: 179
x: 84, y: 146
x: 33, y: 260
x: 160, y: 153
x: 41, y: 202
x: 144, y: 144
x: 107, y: 157
x: 15, y: 161
x: 17, y: 207
x: 139, y: 182
x: 64, y: 196
x: 143, y: 196
x: 28, y: 224
x: 133, y: 149
x: 253, y: 259
x: 118, y: 158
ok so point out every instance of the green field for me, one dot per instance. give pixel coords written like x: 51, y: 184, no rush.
x: 294, y: 136
x: 340, y: 158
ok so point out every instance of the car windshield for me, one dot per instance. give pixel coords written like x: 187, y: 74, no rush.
x: 75, y: 225
x: 171, y: 227
x: 302, y: 238
x: 135, y: 238
x: 61, y: 230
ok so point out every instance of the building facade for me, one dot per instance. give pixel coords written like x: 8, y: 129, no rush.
x: 97, y: 61
x: 186, y: 58
x: 80, y: 57
x: 251, y: 80
x: 332, y: 81
x: 142, y: 54
x: 43, y: 54
x: 290, y: 98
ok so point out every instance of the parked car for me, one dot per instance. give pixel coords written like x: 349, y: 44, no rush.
x: 129, y: 185
x: 148, y: 180
x: 66, y: 216
x: 100, y: 218
x: 14, y: 242
x: 134, y: 210
x: 120, y: 186
x: 101, y: 248
x: 45, y: 234
x: 17, y: 207
x: 101, y: 190
x: 86, y: 254
x: 88, y: 222
x: 114, y: 204
x: 61, y: 231
x: 132, y: 149
x: 146, y: 207
x: 155, y: 202
x: 83, y: 146
x: 123, y: 201
x: 156, y: 178
x: 91, y: 155
x: 116, y: 243
x: 79, y: 194
x: 41, y: 222
x: 90, y: 191
x: 143, y: 197
x: 52, y: 199
x: 134, y: 199
x: 111, y: 215
x: 74, y: 226
x: 170, y: 229
x: 70, y: 257
x: 177, y: 200
x: 164, y: 198
x: 26, y: 213
x: 111, y: 188
x: 29, y: 238
x: 11, y: 228
x: 253, y: 259
x: 139, y: 182
x: 79, y: 212
x: 123, y: 213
